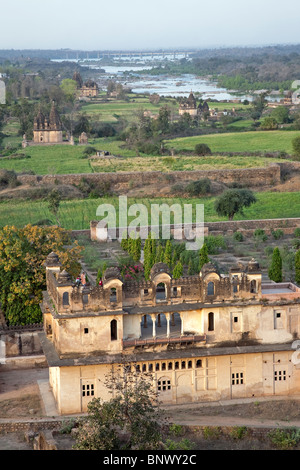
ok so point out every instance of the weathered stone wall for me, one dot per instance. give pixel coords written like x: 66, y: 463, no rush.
x: 249, y: 176
x: 288, y: 226
x: 20, y: 343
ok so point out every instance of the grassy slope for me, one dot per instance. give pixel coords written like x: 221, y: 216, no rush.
x: 240, y: 142
x: 76, y: 214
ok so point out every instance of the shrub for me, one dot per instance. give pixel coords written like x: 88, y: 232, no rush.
x: 202, y: 149
x: 214, y: 243
x: 284, y: 438
x: 260, y: 235
x: 200, y: 187
x: 297, y: 232
x: 238, y: 236
x: 277, y: 234
x: 297, y: 267
x: 238, y: 432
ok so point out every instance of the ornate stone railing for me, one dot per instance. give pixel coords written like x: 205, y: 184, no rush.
x: 163, y: 340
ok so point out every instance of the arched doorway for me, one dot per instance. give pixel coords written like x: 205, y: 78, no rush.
x: 161, y: 292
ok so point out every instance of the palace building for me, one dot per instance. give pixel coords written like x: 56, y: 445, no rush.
x: 205, y: 337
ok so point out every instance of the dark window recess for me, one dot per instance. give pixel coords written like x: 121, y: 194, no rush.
x: 211, y: 321
x: 113, y: 330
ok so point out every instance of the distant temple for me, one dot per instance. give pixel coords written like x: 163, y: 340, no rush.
x: 48, y: 129
x: 88, y: 89
x: 189, y: 106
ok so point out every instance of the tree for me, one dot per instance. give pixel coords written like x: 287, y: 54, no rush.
x: 203, y: 256
x: 269, y: 123
x: 54, y: 199
x: 131, y: 420
x: 69, y: 88
x: 168, y: 253
x: 178, y: 270
x: 275, y: 269
x: 281, y: 114
x: 233, y: 201
x: 22, y: 274
x: 296, y: 146
x: 258, y: 105
x: 297, y: 267
x: 163, y: 120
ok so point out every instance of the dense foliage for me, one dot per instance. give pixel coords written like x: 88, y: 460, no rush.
x: 130, y: 420
x: 22, y: 274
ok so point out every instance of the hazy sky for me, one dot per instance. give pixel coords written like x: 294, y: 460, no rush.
x: 138, y: 24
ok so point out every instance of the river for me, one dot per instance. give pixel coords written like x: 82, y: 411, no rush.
x: 163, y: 85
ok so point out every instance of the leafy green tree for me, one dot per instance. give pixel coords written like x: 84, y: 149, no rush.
x: 54, y: 200
x: 22, y: 274
x: 296, y: 146
x: 69, y: 88
x: 280, y: 114
x: 297, y: 267
x: 258, y: 105
x: 275, y: 269
x: 233, y: 201
x: 269, y: 123
x: 203, y: 256
x: 131, y: 420
x: 82, y: 125
x: 168, y: 253
x: 178, y: 270
x: 147, y: 257
x: 163, y: 121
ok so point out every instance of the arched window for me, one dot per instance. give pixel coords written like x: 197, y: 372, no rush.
x: 210, y: 288
x: 113, y: 294
x: 211, y: 321
x: 113, y: 330
x: 253, y: 287
x: 161, y: 291
x: 66, y: 298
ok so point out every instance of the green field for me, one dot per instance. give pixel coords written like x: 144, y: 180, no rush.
x: 66, y: 159
x: 178, y: 163
x: 77, y: 214
x: 263, y: 141
x: 56, y: 159
x: 111, y: 111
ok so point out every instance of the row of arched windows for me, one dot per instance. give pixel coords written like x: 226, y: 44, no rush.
x: 210, y: 291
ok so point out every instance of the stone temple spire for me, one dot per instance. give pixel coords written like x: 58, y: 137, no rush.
x: 54, y: 119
